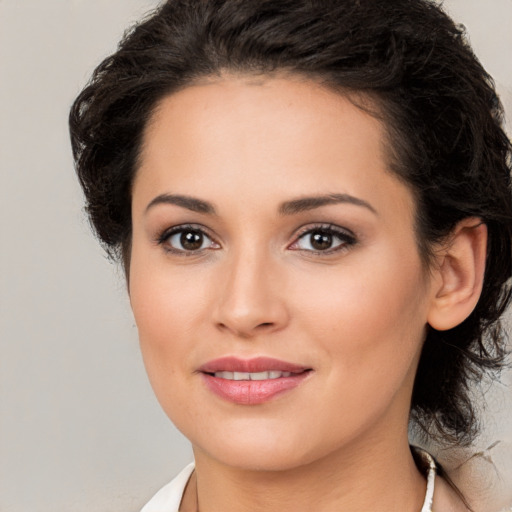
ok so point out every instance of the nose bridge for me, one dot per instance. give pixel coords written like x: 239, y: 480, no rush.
x: 248, y: 297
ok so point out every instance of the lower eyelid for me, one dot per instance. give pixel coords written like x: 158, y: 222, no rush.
x: 164, y: 237
x: 347, y: 239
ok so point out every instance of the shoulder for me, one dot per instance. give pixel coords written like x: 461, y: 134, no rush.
x: 168, y: 498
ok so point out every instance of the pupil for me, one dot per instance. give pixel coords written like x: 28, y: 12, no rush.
x: 321, y: 241
x: 191, y: 240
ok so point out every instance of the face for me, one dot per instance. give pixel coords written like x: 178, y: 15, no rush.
x: 275, y: 278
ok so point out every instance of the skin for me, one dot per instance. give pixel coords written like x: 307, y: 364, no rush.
x: 356, y: 315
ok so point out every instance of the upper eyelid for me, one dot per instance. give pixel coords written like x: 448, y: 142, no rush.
x: 166, y: 233
x: 299, y: 233
x: 304, y: 230
x: 162, y: 240
x: 347, y: 237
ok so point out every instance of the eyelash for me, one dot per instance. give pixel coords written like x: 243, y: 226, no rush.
x: 163, y: 239
x: 346, y: 238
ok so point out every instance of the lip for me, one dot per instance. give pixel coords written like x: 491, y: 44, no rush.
x: 257, y: 364
x: 252, y: 392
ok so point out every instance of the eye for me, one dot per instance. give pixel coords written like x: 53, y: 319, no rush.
x: 324, y: 239
x: 183, y: 239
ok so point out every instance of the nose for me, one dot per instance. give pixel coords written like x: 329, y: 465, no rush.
x: 251, y: 298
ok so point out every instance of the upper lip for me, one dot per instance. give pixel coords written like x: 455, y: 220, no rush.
x: 254, y: 365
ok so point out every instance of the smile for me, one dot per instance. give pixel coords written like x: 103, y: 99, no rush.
x: 252, y: 381
x: 252, y: 376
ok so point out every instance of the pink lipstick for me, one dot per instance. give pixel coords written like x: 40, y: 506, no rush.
x: 251, y: 381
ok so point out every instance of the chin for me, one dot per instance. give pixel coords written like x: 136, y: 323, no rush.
x: 258, y: 458
x: 260, y: 448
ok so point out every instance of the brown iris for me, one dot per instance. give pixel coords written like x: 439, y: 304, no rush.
x: 321, y: 240
x: 191, y: 240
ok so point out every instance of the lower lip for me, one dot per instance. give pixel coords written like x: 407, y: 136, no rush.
x: 252, y: 392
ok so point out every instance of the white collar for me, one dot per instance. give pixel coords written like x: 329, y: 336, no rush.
x: 168, y: 499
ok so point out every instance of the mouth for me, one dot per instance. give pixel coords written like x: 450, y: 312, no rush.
x: 252, y: 381
x: 270, y: 375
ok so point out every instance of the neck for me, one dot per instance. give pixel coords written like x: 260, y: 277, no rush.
x: 378, y: 476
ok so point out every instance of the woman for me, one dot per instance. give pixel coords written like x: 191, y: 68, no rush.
x: 312, y: 204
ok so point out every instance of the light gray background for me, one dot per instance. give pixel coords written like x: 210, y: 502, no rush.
x: 79, y: 427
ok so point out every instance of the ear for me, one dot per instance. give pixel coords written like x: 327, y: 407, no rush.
x: 459, y: 274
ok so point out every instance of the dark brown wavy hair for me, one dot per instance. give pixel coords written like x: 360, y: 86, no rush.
x: 438, y: 104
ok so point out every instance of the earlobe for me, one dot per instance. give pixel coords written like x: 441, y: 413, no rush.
x: 460, y: 275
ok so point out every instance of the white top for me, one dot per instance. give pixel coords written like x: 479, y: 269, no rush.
x: 168, y: 498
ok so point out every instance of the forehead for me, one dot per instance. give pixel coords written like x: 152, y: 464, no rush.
x: 290, y: 108
x: 243, y: 136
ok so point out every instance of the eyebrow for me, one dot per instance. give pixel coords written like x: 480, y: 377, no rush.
x: 310, y: 203
x: 190, y: 203
x: 287, y: 208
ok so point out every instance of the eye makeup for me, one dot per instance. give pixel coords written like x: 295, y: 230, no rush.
x: 193, y: 238
x: 322, y: 239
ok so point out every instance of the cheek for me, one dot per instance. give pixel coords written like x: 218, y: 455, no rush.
x: 167, y: 308
x: 370, y: 316
x: 165, y: 337
x: 369, y: 328
x: 166, y: 299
